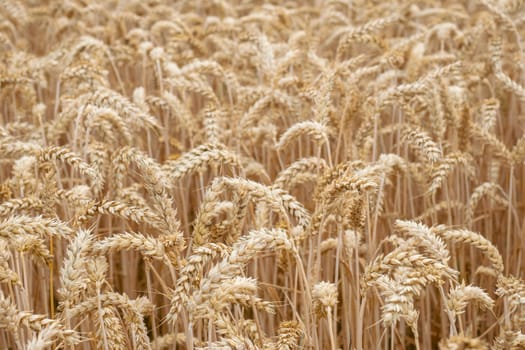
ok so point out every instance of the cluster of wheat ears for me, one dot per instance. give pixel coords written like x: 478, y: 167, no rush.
x: 248, y: 174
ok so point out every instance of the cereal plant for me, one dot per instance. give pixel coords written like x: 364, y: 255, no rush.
x: 274, y: 175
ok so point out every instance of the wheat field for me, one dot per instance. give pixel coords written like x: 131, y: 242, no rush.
x: 275, y: 175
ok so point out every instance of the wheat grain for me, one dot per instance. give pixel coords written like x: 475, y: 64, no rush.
x: 187, y: 174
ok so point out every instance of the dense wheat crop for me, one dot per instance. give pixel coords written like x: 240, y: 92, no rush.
x: 246, y: 174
